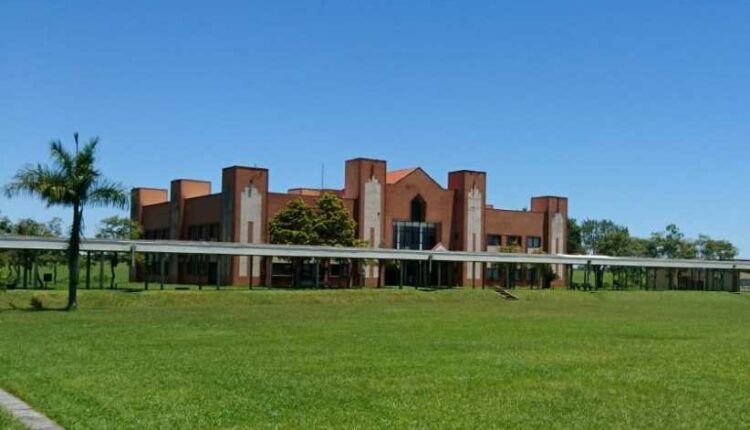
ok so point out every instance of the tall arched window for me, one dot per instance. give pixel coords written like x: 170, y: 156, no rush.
x: 418, y: 209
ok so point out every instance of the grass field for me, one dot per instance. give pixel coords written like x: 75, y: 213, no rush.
x: 9, y: 423
x: 381, y: 358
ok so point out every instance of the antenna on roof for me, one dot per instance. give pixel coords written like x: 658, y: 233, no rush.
x: 322, y: 176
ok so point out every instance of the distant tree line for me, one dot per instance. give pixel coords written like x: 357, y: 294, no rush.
x: 605, y: 237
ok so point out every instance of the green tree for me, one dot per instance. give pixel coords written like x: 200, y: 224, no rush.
x: 574, y: 237
x: 333, y: 225
x: 117, y: 227
x: 6, y: 226
x: 671, y: 243
x: 26, y: 260
x: 74, y: 181
x: 714, y: 249
x: 615, y: 243
x: 294, y: 225
x: 594, y: 234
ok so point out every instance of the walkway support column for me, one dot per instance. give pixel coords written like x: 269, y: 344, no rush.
x: 317, y: 272
x: 400, y: 274
x: 161, y: 271
x: 88, y: 269
x: 250, y: 272
x: 101, y: 270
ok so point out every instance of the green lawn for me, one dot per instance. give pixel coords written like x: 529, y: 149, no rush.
x: 9, y: 423
x: 381, y: 358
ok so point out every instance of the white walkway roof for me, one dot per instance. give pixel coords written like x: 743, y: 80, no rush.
x: 231, y: 248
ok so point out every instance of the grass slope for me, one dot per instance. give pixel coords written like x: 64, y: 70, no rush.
x: 381, y: 358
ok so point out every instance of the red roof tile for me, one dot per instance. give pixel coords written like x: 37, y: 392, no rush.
x: 397, y: 175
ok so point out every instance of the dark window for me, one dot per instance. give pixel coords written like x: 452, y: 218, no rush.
x: 414, y: 235
x: 282, y: 269
x: 418, y: 209
x: 204, y: 232
x: 493, y: 240
x: 533, y: 242
x: 492, y: 273
x: 513, y: 240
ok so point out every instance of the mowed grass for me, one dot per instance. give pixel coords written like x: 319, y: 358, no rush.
x: 381, y: 359
x: 7, y: 422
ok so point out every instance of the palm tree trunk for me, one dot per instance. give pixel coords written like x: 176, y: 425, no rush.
x: 74, y: 247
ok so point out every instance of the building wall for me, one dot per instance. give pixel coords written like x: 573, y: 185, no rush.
x: 506, y: 223
x: 245, y: 206
x: 438, y: 201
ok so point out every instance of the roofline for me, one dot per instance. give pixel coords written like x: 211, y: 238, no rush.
x: 366, y: 159
x: 191, y: 180
x: 467, y: 171
x: 203, y: 196
x: 414, y: 169
x: 166, y: 190
x: 515, y: 210
x: 237, y: 166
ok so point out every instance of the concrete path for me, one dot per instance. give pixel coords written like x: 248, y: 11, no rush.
x: 25, y: 414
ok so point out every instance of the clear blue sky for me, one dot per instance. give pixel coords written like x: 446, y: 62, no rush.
x: 638, y: 111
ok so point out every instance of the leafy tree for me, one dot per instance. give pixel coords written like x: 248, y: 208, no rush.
x: 640, y: 247
x: 73, y: 181
x: 328, y: 223
x: 713, y: 249
x: 615, y: 243
x: 294, y: 225
x: 6, y: 226
x: 595, y: 232
x: 671, y: 243
x: 117, y: 227
x: 574, y: 237
x: 333, y: 225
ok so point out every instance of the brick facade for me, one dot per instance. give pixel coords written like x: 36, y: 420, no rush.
x: 398, y: 209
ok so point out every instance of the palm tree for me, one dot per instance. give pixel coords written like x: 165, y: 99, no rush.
x: 71, y: 181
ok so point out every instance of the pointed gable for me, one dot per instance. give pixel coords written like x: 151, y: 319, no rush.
x: 396, y: 175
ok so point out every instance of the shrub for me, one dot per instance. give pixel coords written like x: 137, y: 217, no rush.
x: 36, y: 303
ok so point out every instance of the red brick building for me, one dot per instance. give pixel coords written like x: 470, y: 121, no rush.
x: 404, y: 209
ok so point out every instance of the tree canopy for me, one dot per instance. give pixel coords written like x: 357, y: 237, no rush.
x: 328, y: 223
x: 119, y: 227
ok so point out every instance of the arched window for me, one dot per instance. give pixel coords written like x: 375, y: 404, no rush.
x: 418, y: 209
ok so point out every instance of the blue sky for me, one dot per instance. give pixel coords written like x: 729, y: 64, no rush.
x: 636, y: 110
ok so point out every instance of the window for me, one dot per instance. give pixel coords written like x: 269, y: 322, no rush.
x: 492, y: 272
x: 414, y: 235
x: 533, y: 242
x: 156, y: 234
x: 418, y: 209
x: 513, y: 240
x: 205, y: 232
x: 493, y: 240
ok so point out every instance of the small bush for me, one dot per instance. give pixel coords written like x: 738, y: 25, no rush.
x: 36, y: 303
